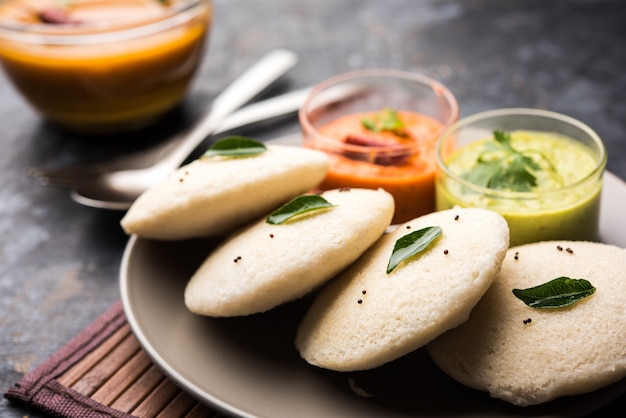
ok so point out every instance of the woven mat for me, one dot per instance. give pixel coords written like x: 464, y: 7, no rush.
x: 104, y: 372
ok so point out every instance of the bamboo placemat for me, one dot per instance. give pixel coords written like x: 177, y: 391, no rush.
x: 104, y: 372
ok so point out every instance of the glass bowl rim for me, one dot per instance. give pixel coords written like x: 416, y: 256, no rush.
x: 437, y: 87
x: 36, y: 35
x: 521, y: 111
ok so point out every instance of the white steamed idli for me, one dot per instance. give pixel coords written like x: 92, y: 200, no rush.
x: 366, y: 317
x: 213, y: 196
x: 528, y: 356
x: 264, y: 265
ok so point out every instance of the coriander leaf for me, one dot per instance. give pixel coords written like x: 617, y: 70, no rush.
x: 514, y: 175
x: 298, y: 206
x: 556, y: 293
x: 369, y: 124
x: 502, y: 167
x: 503, y: 138
x: 235, y: 146
x: 390, y: 121
x: 483, y: 174
x: 385, y: 120
x: 412, y: 244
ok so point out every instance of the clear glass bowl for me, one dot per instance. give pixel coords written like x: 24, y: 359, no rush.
x: 103, y: 66
x: 404, y: 168
x: 568, y: 209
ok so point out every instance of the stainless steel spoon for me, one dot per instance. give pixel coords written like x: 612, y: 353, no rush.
x: 117, y: 190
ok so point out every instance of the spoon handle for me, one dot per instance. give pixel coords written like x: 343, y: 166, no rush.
x: 264, y: 111
x: 252, y: 82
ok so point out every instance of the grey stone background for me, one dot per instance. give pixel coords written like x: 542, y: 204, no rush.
x: 59, y: 261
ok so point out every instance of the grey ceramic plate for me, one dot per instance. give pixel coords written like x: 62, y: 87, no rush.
x: 248, y: 367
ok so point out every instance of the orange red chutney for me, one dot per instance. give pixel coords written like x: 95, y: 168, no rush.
x: 76, y: 63
x: 401, y: 161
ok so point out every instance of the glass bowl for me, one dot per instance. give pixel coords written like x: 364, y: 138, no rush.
x: 353, y: 118
x: 97, y: 66
x: 567, y: 162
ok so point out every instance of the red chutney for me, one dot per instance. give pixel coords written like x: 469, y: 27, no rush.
x: 403, y: 163
x: 69, y: 61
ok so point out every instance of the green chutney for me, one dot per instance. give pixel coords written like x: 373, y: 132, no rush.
x: 564, y: 204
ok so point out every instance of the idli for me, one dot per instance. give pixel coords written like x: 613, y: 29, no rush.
x: 367, y: 317
x: 264, y: 265
x: 215, y: 195
x: 526, y: 355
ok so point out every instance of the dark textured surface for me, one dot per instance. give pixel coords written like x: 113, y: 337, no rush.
x: 59, y: 261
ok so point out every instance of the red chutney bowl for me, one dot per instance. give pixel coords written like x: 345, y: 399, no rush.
x: 379, y: 128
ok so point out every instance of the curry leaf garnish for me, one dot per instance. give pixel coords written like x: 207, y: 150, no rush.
x: 385, y: 120
x: 556, y: 293
x: 298, y: 206
x: 412, y: 244
x: 502, y: 167
x: 235, y: 146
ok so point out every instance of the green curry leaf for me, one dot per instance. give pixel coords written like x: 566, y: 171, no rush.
x: 412, y: 244
x: 298, y: 206
x: 556, y: 293
x: 236, y: 146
